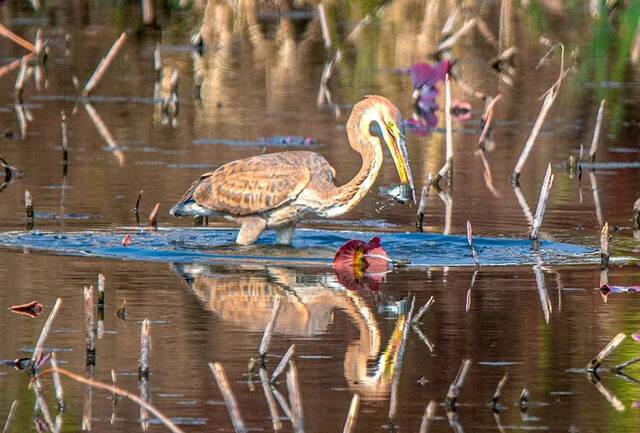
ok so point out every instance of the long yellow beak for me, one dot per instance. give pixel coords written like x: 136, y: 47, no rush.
x: 399, y: 154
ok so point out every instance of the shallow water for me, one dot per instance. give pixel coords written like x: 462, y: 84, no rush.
x: 537, y: 317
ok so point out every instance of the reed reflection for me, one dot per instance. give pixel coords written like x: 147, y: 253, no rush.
x: 310, y: 298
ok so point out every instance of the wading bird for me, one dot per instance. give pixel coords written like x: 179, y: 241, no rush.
x: 275, y: 191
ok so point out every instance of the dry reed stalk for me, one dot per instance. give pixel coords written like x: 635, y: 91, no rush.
x: 268, y: 331
x: 422, y: 337
x: 523, y: 400
x: 119, y: 392
x: 324, y: 95
x: 424, y: 195
x: 282, y: 402
x: 28, y: 204
x: 136, y: 210
x: 57, y: 383
x: 486, y: 173
x: 283, y: 363
x: 5, y: 32
x: 42, y: 405
x: 145, y: 395
x: 352, y: 415
x: 596, y: 132
x: 397, y: 368
x: 545, y: 301
x: 505, y: 33
x: 153, y: 217
x: 229, y: 397
x: 101, y: 285
x: 324, y: 26
x: 635, y: 46
x: 636, y: 215
x: 470, y: 242
x: 148, y: 12
x: 542, y: 204
x: 22, y: 77
x: 456, y: 385
x: 145, y: 350
x: 546, y: 105
x: 89, y: 326
x: 22, y: 114
x: 295, y: 398
x: 605, y: 250
x: 612, y: 399
x: 12, y: 414
x: 4, y: 70
x: 498, y: 392
x: 271, y: 402
x: 451, y: 40
x: 467, y: 304
x: 351, y: 38
x: 104, y: 65
x: 625, y: 364
x: 423, y: 309
x: 487, y: 119
x: 37, y: 350
x: 429, y: 413
x: 595, y: 363
x: 157, y: 62
x: 596, y: 197
x: 447, y: 168
x: 104, y: 133
x: 483, y: 28
x: 65, y: 142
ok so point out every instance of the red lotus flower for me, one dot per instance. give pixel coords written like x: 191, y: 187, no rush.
x: 33, y: 309
x: 361, y: 265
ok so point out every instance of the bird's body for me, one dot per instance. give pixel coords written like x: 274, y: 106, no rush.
x: 275, y: 191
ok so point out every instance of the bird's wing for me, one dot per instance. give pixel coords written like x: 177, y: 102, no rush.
x: 250, y: 186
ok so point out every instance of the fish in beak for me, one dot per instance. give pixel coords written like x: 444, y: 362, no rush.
x: 396, y: 144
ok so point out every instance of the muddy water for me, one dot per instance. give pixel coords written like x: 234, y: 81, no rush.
x: 260, y: 75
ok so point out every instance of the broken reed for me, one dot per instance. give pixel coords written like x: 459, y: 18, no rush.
x: 547, y: 183
x: 57, y: 383
x: 424, y: 195
x: 456, y: 386
x: 229, y: 397
x: 595, y: 363
x: 271, y: 401
x: 104, y: 64
x: 37, y: 350
x: 596, y: 132
x: 295, y: 398
x: 422, y: 310
x: 498, y: 392
x: 352, y: 415
x: 283, y: 363
x: 12, y: 414
x: 429, y: 413
x: 145, y: 350
x: 474, y: 254
x: 605, y: 250
x: 89, y: 325
x: 268, y: 332
x: 65, y: 142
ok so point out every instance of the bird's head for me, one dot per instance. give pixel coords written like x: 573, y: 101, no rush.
x: 389, y: 127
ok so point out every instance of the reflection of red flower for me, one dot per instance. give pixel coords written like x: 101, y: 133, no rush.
x: 361, y: 265
x: 33, y: 309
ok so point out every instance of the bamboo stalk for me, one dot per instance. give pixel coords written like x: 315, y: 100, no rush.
x: 145, y: 350
x: 542, y: 204
x: 12, y: 414
x: 423, y: 309
x: 89, y: 325
x: 268, y: 332
x: 429, y: 413
x: 424, y: 195
x: 283, y: 363
x: 295, y: 398
x: 456, y: 385
x: 104, y: 65
x: 470, y: 242
x: 498, y: 392
x: 57, y: 383
x: 596, y: 132
x: 271, y: 402
x: 352, y: 415
x: 37, y: 350
x: 593, y: 365
x: 605, y: 250
x: 120, y: 392
x: 229, y: 397
x: 447, y: 168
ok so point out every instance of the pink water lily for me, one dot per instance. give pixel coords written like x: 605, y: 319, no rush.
x: 360, y: 264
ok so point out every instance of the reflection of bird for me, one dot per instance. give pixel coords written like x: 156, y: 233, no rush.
x: 277, y: 190
x: 245, y: 296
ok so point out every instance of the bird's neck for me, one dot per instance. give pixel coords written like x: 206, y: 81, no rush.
x: 369, y: 148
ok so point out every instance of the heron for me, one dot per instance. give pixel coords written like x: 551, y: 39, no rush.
x: 277, y: 190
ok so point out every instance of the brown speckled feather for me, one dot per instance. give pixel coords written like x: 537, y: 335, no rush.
x: 260, y: 183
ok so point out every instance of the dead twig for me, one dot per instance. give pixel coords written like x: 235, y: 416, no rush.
x: 229, y: 397
x: 283, y: 363
x: 595, y: 363
x: 104, y: 65
x: 547, y: 183
x: 37, y: 350
x: 456, y: 385
x: 596, y: 132
x: 268, y: 332
x: 498, y: 392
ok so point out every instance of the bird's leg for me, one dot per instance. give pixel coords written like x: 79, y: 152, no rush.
x: 250, y: 230
x: 284, y: 234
